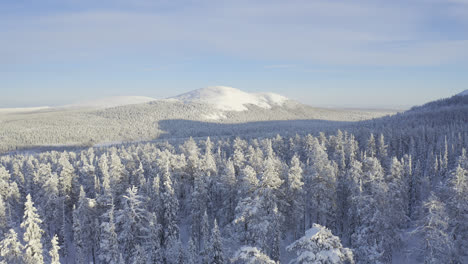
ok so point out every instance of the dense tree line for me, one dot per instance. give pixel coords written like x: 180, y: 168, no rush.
x: 342, y: 197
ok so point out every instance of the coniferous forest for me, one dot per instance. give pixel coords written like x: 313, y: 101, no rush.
x: 370, y: 192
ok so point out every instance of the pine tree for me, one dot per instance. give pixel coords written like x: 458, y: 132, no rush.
x: 78, y: 242
x: 11, y: 249
x: 54, y: 251
x: 170, y: 207
x: 118, y: 175
x: 3, y: 216
x: 67, y: 173
x: 192, y: 254
x: 109, y: 246
x: 199, y: 201
x: 369, y: 204
x: 153, y: 245
x: 132, y: 222
x: 438, y: 243
x: 319, y: 245
x: 249, y: 255
x: 459, y: 205
x: 216, y: 254
x: 228, y: 190
x: 371, y: 148
x: 320, y: 186
x: 33, y: 233
x: 295, y: 197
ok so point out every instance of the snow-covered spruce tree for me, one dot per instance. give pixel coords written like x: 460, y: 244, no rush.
x: 369, y: 203
x: 170, y: 207
x: 382, y: 151
x: 54, y: 251
x: 132, y: 223
x: 371, y: 148
x: 11, y: 250
x: 438, y: 243
x: 199, y: 199
x: 395, y: 213
x: 78, y: 242
x: 459, y: 208
x: 33, y: 233
x: 205, y: 237
x: 216, y: 252
x: 248, y: 182
x: 208, y: 161
x: 250, y: 255
x: 259, y: 218
x: 320, y: 186
x: 319, y: 245
x: 67, y: 173
x: 109, y: 245
x: 118, y: 175
x: 192, y: 253
x: 153, y: 245
x: 228, y: 191
x: 3, y: 217
x: 295, y: 196
x: 175, y: 251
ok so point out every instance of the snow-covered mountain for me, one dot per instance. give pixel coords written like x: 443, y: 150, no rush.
x: 111, y: 102
x: 231, y: 99
x: 210, y: 111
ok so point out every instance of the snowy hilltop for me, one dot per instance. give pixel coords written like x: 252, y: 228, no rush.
x: 231, y: 99
x: 210, y: 111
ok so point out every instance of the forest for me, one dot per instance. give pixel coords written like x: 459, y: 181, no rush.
x: 347, y: 195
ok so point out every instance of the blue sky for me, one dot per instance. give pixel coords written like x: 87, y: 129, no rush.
x: 324, y: 53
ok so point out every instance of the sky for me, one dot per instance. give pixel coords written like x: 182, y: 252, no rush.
x: 336, y: 53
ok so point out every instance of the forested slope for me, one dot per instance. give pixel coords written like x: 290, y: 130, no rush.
x: 344, y: 195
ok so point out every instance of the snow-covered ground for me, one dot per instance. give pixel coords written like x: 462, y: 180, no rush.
x: 231, y: 99
x: 22, y: 110
x: 111, y: 102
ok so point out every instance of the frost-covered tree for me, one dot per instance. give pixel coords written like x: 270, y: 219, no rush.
x: 32, y: 234
x: 170, y: 207
x: 109, y: 245
x: 320, y: 186
x: 78, y: 241
x: 250, y: 255
x: 371, y: 148
x: 132, y: 223
x: 199, y: 202
x: 11, y: 249
x: 459, y: 204
x: 153, y: 245
x: 192, y: 253
x: 438, y: 243
x: 216, y: 252
x: 319, y: 245
x: 369, y: 203
x: 295, y: 196
x: 3, y: 216
x: 54, y: 251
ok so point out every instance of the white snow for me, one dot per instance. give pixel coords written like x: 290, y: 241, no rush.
x: 230, y: 99
x: 214, y: 116
x: 463, y: 93
x: 111, y: 102
x: 22, y: 110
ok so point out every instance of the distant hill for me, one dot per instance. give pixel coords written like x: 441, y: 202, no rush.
x: 137, y: 118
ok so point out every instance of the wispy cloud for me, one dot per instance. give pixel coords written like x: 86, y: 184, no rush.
x: 321, y: 32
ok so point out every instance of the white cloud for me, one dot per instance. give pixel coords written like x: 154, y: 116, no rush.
x: 322, y: 32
